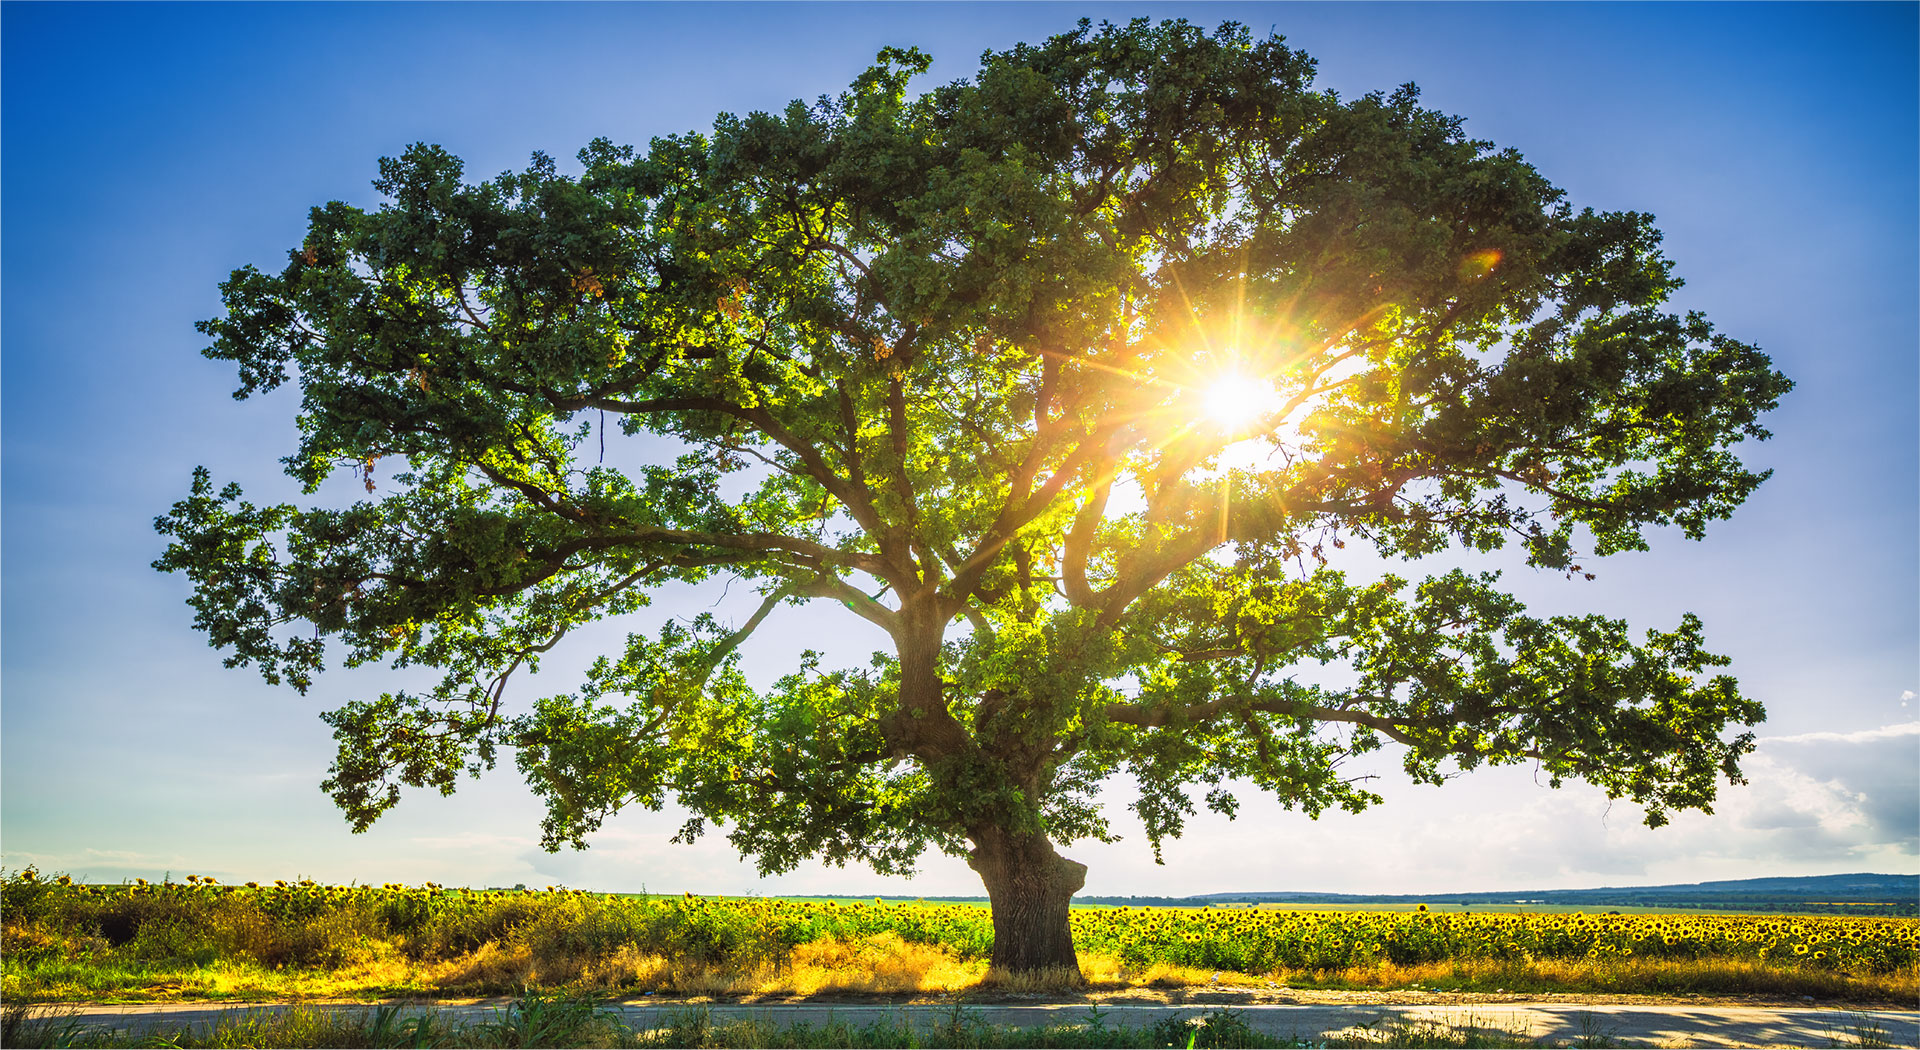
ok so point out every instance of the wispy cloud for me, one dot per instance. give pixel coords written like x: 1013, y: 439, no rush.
x: 1863, y: 736
x: 91, y: 863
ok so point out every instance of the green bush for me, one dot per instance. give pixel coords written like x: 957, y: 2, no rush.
x: 174, y: 942
x: 465, y: 922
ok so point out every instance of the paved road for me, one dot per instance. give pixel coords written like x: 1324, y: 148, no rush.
x: 1552, y: 1023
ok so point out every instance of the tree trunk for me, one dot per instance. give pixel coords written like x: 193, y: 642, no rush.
x: 1030, y: 887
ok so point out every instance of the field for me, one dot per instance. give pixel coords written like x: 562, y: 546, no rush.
x: 1437, y: 906
x: 197, y: 939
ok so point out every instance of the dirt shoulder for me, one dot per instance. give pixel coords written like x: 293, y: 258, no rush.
x: 1194, y: 997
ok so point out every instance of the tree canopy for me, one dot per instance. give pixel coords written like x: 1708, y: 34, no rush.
x: 1067, y: 376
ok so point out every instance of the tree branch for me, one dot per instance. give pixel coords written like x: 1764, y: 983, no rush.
x: 850, y: 596
x: 855, y: 498
x: 1149, y: 716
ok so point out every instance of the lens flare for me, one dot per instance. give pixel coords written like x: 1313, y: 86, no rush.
x: 1479, y: 264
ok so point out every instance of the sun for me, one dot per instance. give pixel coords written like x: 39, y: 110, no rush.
x: 1235, y: 402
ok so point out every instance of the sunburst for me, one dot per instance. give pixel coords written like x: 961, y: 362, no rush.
x: 1237, y: 403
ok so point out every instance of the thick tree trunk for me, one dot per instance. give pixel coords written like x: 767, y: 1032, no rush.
x: 1030, y: 887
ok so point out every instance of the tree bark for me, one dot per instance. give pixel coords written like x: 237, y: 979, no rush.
x: 1029, y: 887
x: 921, y: 725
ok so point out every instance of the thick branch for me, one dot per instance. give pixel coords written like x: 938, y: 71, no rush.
x: 832, y: 587
x: 1079, y: 545
x: 1149, y: 716
x: 1023, y: 505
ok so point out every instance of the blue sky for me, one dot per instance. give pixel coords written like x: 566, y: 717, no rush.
x: 148, y: 149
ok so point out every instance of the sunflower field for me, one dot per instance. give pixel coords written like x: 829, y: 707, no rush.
x: 1249, y: 941
x: 59, y: 934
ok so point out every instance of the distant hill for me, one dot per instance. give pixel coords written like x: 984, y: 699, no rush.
x: 1860, y: 893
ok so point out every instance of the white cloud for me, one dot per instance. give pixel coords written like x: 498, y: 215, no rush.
x: 1863, y: 736
x: 1815, y: 803
x: 1864, y: 785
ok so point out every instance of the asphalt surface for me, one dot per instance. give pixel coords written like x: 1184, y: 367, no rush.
x: 1551, y: 1023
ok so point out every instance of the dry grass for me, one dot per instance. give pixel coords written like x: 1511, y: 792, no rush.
x: 882, y: 963
x: 1110, y: 972
x: 885, y: 964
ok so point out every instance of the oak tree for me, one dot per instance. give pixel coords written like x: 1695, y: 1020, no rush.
x: 1069, y: 377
